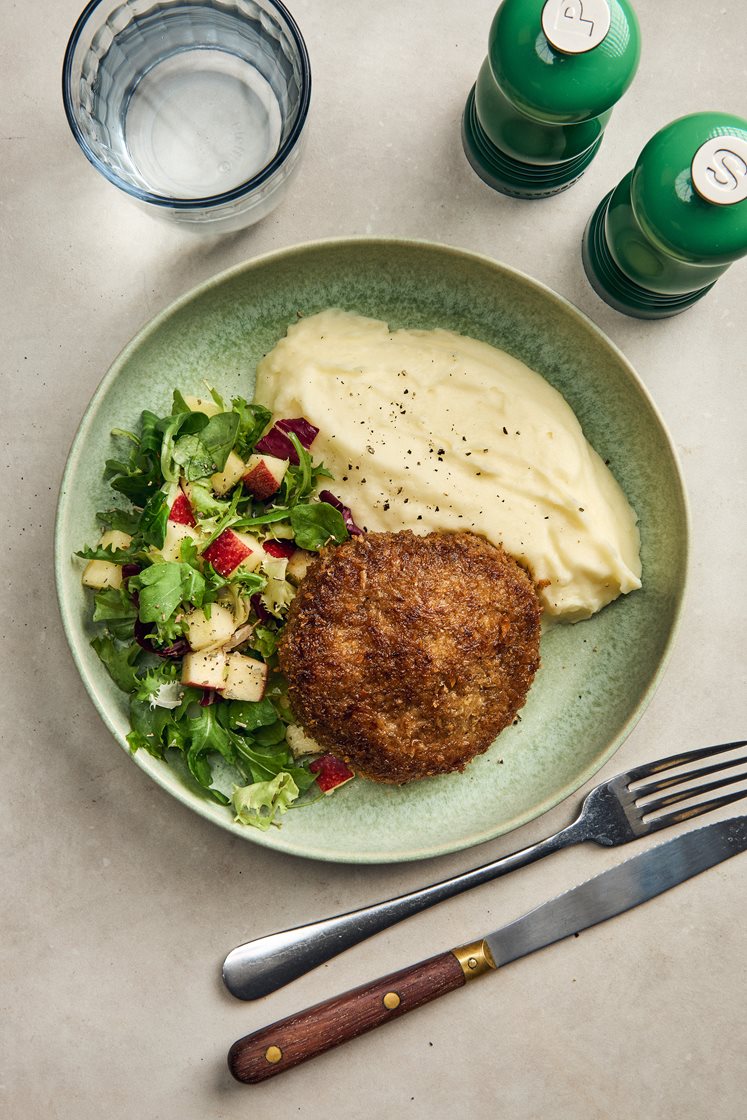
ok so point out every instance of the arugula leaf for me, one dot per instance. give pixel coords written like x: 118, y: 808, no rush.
x: 123, y: 520
x: 114, y: 606
x: 163, y: 587
x: 153, y: 729
x: 259, y: 803
x: 121, y: 661
x: 262, y: 761
x: 316, y: 525
x: 301, y: 481
x: 151, y: 434
x: 154, y: 519
x: 138, y: 476
x: 205, y: 734
x: 253, y: 419
x: 268, y: 518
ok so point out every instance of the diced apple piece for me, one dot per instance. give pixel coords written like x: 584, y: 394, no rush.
x: 113, y: 538
x: 245, y: 678
x: 225, y: 480
x: 264, y: 474
x: 181, y: 511
x: 301, y: 743
x: 231, y: 549
x: 202, y: 404
x: 175, y: 534
x: 99, y: 574
x: 331, y: 772
x: 214, y: 631
x: 282, y: 532
x: 280, y: 549
x: 253, y: 561
x: 204, y: 670
x: 298, y: 565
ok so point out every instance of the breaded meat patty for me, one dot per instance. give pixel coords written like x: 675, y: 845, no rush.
x: 406, y: 655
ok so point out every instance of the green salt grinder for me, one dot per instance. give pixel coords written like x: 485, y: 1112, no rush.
x: 535, y: 117
x: 660, y: 240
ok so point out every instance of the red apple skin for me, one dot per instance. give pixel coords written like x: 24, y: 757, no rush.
x: 226, y: 552
x: 261, y: 482
x: 281, y: 549
x: 331, y: 772
x: 181, y: 511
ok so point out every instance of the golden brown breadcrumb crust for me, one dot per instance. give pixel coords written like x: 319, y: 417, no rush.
x: 406, y: 655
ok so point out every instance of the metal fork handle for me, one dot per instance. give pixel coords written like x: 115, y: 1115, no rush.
x: 267, y: 963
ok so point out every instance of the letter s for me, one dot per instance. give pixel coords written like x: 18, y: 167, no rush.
x: 726, y: 170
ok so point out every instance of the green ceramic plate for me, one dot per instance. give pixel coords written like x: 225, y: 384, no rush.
x: 596, y: 677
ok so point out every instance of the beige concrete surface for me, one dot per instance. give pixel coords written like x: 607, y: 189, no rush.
x: 117, y: 903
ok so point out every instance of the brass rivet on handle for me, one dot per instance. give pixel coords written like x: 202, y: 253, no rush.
x: 474, y: 959
x: 391, y: 1000
x: 273, y: 1054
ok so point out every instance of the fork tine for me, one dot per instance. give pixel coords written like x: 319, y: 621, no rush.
x: 688, y: 776
x: 649, y: 768
x: 694, y: 811
x: 685, y: 794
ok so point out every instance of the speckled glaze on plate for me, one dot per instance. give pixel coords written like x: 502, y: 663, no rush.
x: 596, y: 677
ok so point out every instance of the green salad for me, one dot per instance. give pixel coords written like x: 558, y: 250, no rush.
x: 191, y: 580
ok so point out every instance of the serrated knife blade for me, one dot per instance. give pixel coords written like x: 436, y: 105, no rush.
x: 637, y: 880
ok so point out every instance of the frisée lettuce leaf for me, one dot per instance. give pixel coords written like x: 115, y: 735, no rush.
x: 259, y: 803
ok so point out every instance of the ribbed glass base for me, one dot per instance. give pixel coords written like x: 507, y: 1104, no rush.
x: 511, y: 176
x: 613, y: 286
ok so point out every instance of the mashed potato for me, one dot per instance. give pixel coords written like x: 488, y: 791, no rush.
x: 429, y: 430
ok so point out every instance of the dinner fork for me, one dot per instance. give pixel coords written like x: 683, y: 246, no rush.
x: 612, y: 813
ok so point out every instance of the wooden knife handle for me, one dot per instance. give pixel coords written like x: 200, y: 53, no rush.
x: 291, y: 1041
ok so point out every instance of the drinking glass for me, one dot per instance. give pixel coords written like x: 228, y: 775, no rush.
x: 195, y: 108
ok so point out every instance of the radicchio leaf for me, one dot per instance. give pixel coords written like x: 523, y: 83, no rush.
x: 276, y: 443
x: 259, y: 608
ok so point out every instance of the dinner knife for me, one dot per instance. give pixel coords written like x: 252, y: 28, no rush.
x: 296, y: 1039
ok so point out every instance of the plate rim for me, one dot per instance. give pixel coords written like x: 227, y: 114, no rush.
x: 274, y: 840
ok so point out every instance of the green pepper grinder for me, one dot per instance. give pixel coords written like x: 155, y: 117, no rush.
x: 660, y: 240
x: 535, y: 117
